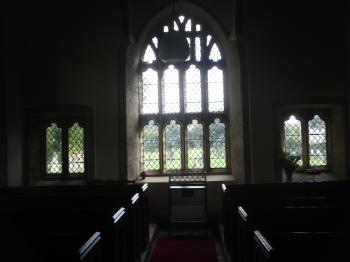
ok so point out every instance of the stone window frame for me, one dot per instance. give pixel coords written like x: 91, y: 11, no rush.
x: 205, y: 117
x: 229, y: 44
x: 37, y: 121
x: 304, y: 116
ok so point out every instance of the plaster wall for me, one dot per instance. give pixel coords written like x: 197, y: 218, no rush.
x: 72, y: 53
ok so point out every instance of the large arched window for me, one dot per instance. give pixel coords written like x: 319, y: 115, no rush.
x: 183, y: 105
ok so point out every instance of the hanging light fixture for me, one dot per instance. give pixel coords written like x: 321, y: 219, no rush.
x: 173, y: 45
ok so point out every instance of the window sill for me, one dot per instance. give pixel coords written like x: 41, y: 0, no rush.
x: 210, y: 178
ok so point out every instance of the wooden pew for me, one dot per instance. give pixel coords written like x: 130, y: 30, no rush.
x: 286, y: 219
x: 62, y: 247
x: 300, y: 246
x: 87, y: 198
x: 325, y: 193
x: 39, y: 245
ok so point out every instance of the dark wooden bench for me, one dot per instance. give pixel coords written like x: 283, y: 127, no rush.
x: 286, y: 219
x: 36, y: 244
x: 300, y: 246
x: 327, y: 193
x: 99, y: 205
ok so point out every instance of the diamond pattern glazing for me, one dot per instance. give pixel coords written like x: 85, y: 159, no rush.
x: 53, y: 149
x: 317, y: 142
x: 215, y: 90
x: 76, y: 149
x: 172, y: 146
x: 194, y: 145
x: 193, y: 91
x: 151, y: 146
x: 182, y: 91
x: 217, y: 144
x: 171, y: 90
x: 293, y: 137
x: 150, y: 92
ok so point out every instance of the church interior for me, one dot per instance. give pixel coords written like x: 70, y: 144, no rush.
x: 122, y: 120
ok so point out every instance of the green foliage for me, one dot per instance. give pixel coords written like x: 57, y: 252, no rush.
x: 288, y: 162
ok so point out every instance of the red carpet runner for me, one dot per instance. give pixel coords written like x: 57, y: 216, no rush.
x: 169, y: 249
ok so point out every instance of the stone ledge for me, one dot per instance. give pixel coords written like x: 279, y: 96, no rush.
x: 210, y: 178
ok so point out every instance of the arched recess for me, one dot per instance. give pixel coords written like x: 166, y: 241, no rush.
x: 234, y: 92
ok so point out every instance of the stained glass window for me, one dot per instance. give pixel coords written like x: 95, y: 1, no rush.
x: 293, y: 137
x: 217, y: 144
x: 53, y: 149
x: 151, y: 146
x: 76, y: 149
x: 317, y: 142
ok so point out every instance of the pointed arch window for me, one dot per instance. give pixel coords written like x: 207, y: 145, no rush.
x: 151, y: 146
x: 194, y: 145
x: 65, y: 150
x: 53, y: 149
x: 317, y: 142
x: 305, y: 134
x: 60, y: 144
x: 292, y: 142
x: 217, y: 144
x: 172, y: 146
x: 183, y: 98
x: 76, y: 154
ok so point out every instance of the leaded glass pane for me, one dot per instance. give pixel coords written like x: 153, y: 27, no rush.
x: 150, y: 92
x: 172, y: 146
x: 208, y: 39
x: 198, y: 48
x: 155, y: 41
x: 292, y: 143
x: 215, y: 90
x: 151, y: 146
x: 53, y: 149
x: 188, y: 26
x: 149, y: 55
x: 166, y: 96
x: 193, y: 90
x: 171, y: 90
x: 76, y: 149
x: 217, y: 144
x: 317, y: 142
x: 176, y: 28
x: 215, y: 54
x: 189, y: 44
x: 194, y: 145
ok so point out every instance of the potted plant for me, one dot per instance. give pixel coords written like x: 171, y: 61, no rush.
x: 289, y: 163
